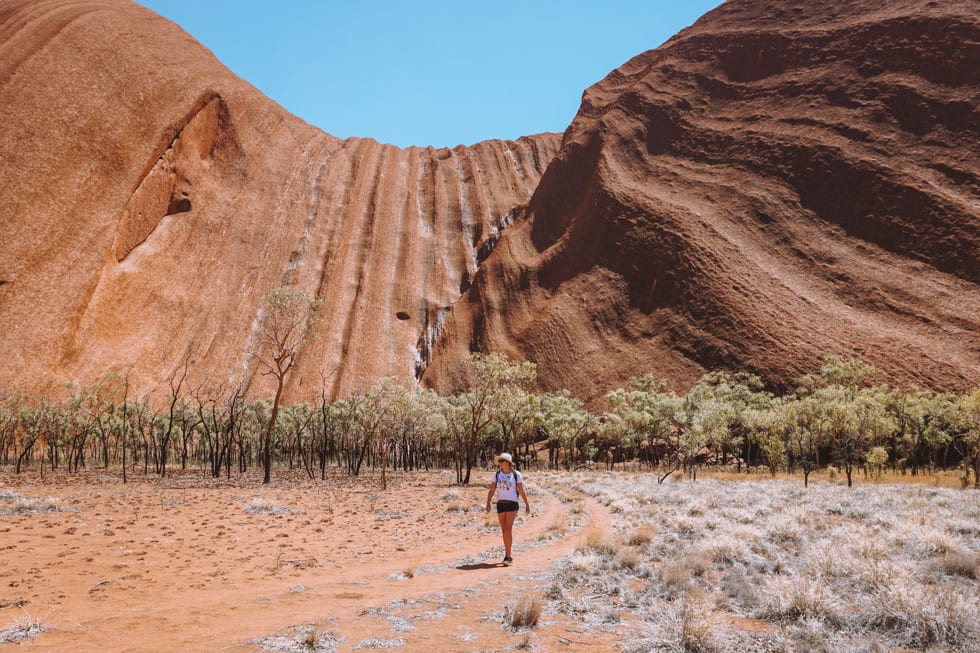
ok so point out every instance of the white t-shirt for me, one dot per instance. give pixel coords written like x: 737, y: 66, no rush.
x: 507, y: 485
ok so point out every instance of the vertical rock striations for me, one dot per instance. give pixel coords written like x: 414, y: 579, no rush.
x: 151, y: 198
x: 781, y: 181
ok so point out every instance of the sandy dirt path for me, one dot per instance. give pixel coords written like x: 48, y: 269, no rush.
x: 178, y: 564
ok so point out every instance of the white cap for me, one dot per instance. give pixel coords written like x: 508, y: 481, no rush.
x: 505, y: 456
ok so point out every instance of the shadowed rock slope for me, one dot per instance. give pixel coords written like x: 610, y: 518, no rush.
x: 150, y: 198
x: 781, y: 181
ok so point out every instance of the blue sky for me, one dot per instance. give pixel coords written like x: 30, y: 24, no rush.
x: 429, y: 73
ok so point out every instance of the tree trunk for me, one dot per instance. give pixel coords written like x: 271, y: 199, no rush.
x: 267, y: 438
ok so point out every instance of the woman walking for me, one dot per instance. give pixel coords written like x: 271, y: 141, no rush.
x: 508, y: 484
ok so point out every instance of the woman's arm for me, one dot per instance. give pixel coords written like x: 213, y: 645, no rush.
x: 493, y: 487
x: 527, y: 504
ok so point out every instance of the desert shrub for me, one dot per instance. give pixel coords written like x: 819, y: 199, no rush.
x: 676, y: 579
x: 818, y: 563
x: 727, y: 549
x: 785, y: 532
x: 696, y: 625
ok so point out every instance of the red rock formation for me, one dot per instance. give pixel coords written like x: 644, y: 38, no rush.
x: 150, y: 198
x: 781, y: 181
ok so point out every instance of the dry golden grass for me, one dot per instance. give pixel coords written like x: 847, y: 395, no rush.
x: 641, y: 535
x: 526, y: 611
x: 950, y: 479
x: 559, y: 526
x: 595, y: 540
x: 959, y: 563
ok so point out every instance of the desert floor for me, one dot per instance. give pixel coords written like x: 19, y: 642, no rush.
x: 612, y: 562
x: 183, y: 564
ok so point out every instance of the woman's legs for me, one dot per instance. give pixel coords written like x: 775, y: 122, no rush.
x: 506, y: 520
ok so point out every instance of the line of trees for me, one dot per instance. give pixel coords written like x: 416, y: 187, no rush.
x: 835, y: 417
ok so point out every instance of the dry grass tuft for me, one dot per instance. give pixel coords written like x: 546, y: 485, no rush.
x: 22, y: 629
x: 959, y: 563
x: 629, y: 559
x: 596, y: 541
x: 526, y: 611
x: 696, y: 624
x: 922, y: 616
x: 299, y: 639
x: 675, y: 578
x: 559, y: 526
x: 641, y: 536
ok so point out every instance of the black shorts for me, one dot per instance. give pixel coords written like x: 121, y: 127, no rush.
x: 508, y: 506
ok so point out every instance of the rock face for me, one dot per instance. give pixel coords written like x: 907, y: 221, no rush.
x: 781, y: 181
x: 151, y: 198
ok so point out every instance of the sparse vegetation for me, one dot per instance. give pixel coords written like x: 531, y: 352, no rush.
x: 828, y: 568
x: 299, y: 639
x: 834, y: 420
x: 12, y: 503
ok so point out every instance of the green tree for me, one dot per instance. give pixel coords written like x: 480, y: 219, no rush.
x: 923, y: 421
x: 768, y: 429
x: 807, y: 431
x: 653, y: 414
x: 876, y: 459
x: 967, y: 412
x: 285, y: 320
x: 566, y: 421
x: 490, y: 378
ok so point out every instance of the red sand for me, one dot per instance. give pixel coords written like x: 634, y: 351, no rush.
x: 177, y: 564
